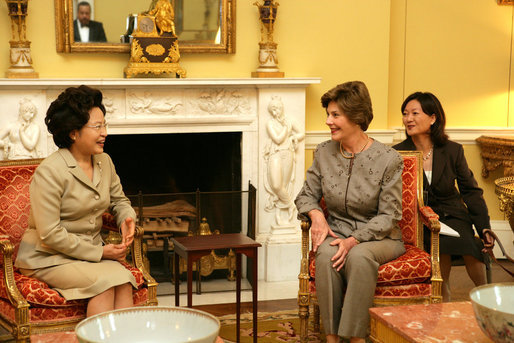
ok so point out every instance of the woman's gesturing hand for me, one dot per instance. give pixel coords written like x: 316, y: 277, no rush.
x: 488, y: 240
x: 319, y: 229
x: 116, y: 252
x: 128, y: 228
x: 345, y: 244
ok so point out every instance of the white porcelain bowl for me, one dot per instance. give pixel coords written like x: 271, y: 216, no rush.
x: 149, y: 324
x: 494, y: 310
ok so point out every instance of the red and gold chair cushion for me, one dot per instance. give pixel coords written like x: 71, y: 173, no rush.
x: 39, y: 293
x: 15, y: 202
x: 413, y: 267
x: 414, y: 290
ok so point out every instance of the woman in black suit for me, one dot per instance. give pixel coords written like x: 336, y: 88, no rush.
x: 443, y: 164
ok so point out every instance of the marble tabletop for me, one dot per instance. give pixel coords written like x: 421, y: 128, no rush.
x: 452, y: 322
x: 61, y: 337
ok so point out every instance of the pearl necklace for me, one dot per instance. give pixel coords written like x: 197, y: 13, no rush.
x: 429, y: 154
x: 352, y: 154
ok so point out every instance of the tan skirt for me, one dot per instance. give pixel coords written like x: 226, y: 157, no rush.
x: 82, y: 279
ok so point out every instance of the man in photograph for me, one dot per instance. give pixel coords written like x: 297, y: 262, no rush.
x: 85, y: 29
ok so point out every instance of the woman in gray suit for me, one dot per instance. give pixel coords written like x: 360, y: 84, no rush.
x: 360, y: 180
x: 444, y: 165
x: 70, y: 191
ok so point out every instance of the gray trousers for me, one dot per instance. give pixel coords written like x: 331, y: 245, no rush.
x: 345, y: 313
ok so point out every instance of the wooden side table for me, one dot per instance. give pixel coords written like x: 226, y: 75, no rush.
x: 193, y: 248
x: 446, y: 322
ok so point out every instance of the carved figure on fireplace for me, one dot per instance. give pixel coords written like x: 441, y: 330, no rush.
x: 149, y: 104
x: 19, y: 139
x: 280, y: 155
x: 223, y: 101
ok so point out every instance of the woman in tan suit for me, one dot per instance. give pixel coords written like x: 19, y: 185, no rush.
x: 70, y: 191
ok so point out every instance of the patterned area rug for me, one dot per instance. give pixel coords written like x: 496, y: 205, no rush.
x: 271, y: 327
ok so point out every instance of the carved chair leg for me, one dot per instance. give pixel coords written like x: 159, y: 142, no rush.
x: 304, y: 324
x: 316, y: 316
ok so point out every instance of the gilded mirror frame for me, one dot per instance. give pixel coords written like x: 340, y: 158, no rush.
x: 65, y: 43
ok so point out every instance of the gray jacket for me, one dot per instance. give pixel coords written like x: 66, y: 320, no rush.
x: 363, y: 195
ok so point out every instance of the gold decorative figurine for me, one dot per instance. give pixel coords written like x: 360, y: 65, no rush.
x: 268, y: 62
x: 154, y: 47
x: 21, y: 61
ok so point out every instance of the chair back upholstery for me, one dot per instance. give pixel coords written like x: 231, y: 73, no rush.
x: 15, y: 178
x: 412, y: 197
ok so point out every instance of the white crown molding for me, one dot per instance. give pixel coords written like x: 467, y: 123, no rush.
x: 155, y: 83
x: 462, y: 135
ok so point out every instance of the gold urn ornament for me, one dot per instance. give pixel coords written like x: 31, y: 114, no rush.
x: 154, y: 46
x: 268, y: 62
x: 21, y: 60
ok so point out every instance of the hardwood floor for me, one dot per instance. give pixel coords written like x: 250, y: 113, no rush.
x: 263, y: 306
x: 460, y: 282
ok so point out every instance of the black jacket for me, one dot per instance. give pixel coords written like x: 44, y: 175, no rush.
x: 449, y: 165
x: 96, y: 31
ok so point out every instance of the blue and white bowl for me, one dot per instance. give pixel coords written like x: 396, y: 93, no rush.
x: 149, y: 324
x: 494, y: 310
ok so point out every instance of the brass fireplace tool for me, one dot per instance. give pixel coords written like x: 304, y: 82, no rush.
x: 268, y: 62
x: 21, y: 61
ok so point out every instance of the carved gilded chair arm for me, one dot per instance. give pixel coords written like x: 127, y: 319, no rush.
x: 7, y: 249
x: 429, y: 218
x: 137, y: 255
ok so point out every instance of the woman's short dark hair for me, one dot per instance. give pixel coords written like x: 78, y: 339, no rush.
x: 354, y: 100
x: 431, y: 106
x: 70, y: 111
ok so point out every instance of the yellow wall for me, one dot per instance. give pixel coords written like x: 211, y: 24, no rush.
x: 460, y: 50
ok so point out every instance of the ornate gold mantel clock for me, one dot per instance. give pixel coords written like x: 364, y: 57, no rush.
x: 154, y: 47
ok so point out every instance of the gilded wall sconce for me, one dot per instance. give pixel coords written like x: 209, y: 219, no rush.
x: 268, y: 62
x: 21, y: 60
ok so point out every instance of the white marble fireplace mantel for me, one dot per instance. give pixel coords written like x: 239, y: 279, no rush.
x: 146, y: 106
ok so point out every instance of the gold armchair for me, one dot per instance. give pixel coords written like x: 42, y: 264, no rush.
x: 27, y: 305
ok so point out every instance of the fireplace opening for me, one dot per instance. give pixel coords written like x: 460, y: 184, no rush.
x: 196, y: 174
x: 174, y: 163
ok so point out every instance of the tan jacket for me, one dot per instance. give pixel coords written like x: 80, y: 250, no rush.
x: 66, y: 211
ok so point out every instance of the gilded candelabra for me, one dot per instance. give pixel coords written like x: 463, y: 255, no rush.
x: 21, y: 61
x: 268, y: 62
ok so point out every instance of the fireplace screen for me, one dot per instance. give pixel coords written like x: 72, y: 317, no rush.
x: 182, y: 184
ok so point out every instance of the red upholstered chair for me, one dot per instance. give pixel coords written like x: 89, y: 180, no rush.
x: 412, y: 278
x: 28, y: 306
